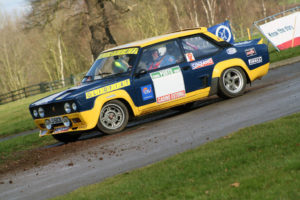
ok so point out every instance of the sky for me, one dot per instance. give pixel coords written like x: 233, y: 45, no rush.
x: 13, y: 7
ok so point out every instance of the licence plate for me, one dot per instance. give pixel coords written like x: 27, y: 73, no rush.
x: 60, y: 130
x: 56, y: 120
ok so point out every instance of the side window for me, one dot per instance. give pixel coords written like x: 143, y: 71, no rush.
x: 198, y: 46
x: 161, y: 55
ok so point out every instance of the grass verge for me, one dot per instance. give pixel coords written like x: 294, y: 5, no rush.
x: 259, y: 162
x: 282, y: 55
x: 15, y: 116
x: 14, y: 148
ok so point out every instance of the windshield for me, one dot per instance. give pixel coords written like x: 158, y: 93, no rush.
x: 111, y: 64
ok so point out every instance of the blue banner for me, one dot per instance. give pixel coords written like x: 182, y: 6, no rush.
x: 223, y: 30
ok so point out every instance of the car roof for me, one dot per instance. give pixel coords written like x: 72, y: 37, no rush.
x: 160, y: 38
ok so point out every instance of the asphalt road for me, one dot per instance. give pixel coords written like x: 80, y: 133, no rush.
x: 161, y: 136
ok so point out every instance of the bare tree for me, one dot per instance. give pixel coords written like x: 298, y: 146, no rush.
x: 97, y: 15
x: 210, y: 10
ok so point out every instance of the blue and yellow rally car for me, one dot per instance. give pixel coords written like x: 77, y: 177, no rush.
x: 150, y: 75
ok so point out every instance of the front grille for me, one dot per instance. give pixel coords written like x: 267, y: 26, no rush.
x: 54, y: 109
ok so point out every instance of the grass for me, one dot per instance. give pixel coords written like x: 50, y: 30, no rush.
x: 13, y: 149
x: 259, y: 162
x: 15, y: 116
x: 282, y: 55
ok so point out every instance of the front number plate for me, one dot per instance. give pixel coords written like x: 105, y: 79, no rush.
x: 56, y: 120
x: 60, y: 130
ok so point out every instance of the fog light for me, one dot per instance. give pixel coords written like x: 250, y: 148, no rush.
x: 66, y: 121
x: 48, y: 124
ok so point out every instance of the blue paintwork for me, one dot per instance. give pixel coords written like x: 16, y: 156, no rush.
x: 193, y: 79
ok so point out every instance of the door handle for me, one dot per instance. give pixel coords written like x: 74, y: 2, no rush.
x: 186, y: 67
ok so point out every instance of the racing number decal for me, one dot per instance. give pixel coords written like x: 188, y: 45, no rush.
x: 168, y: 84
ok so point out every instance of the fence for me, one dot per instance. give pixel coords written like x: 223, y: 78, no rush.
x: 35, y: 89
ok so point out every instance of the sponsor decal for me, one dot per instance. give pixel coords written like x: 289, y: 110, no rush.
x: 168, y: 84
x: 202, y: 63
x: 164, y: 73
x: 119, y: 52
x: 190, y: 57
x: 250, y: 52
x: 147, y: 92
x: 231, y: 51
x: 254, y: 61
x: 170, y: 97
x: 107, y: 89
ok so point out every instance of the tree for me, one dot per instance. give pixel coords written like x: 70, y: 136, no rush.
x: 97, y: 15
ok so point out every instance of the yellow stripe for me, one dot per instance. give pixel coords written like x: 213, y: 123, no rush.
x: 119, y: 52
x: 107, y: 89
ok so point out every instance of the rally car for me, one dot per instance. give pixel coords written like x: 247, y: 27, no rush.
x: 150, y: 75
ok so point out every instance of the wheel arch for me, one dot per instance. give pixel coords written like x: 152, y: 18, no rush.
x: 120, y: 95
x: 236, y: 62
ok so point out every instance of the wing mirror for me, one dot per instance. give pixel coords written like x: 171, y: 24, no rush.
x: 141, y: 72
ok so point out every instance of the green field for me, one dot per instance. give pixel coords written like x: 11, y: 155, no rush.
x: 15, y: 116
x: 259, y: 162
x: 282, y: 55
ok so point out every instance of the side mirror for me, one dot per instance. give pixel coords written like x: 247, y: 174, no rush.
x: 141, y: 72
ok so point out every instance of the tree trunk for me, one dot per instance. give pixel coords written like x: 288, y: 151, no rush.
x: 61, y: 60
x: 99, y: 26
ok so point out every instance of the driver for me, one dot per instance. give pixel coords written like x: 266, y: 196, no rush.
x: 160, y: 61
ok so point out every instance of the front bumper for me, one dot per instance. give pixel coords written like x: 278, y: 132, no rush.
x: 80, y: 121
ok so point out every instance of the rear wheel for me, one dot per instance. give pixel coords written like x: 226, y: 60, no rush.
x: 232, y: 83
x: 113, y: 117
x: 67, y: 137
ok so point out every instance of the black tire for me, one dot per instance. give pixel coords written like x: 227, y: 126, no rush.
x: 113, y: 117
x: 67, y: 137
x: 232, y: 83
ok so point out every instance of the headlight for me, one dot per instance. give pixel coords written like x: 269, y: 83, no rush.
x: 74, y: 107
x: 41, y: 112
x: 48, y: 124
x: 35, y: 113
x: 66, y: 121
x: 67, y: 107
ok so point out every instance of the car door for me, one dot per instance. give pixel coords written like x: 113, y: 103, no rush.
x: 158, y: 76
x: 201, y: 55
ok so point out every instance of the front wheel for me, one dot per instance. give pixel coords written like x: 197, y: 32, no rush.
x: 113, y: 117
x: 232, y: 83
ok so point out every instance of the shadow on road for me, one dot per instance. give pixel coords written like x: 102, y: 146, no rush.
x: 137, y: 122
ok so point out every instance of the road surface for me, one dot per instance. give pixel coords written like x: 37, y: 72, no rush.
x: 157, y: 138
